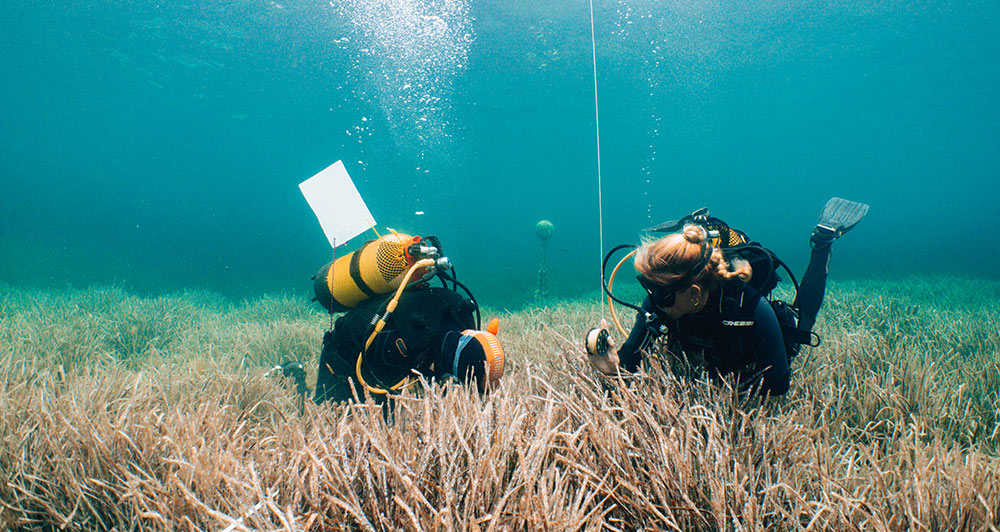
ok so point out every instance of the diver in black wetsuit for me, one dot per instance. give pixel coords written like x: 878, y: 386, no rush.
x: 395, y: 331
x: 716, y: 322
x: 431, y: 332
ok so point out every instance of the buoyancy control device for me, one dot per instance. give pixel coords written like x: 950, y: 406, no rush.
x: 390, y: 264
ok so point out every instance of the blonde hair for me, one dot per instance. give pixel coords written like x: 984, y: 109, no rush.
x: 668, y: 259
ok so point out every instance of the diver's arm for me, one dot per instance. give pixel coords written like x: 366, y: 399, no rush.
x: 641, y: 337
x: 770, y: 347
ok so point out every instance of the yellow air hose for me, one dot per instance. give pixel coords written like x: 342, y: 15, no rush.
x: 611, y: 282
x: 423, y: 263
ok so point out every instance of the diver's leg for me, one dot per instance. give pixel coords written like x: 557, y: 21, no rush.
x: 838, y: 217
x: 809, y: 298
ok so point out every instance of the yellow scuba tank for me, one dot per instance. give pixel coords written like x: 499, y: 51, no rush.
x: 377, y: 268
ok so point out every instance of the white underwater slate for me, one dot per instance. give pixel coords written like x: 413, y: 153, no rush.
x: 341, y: 211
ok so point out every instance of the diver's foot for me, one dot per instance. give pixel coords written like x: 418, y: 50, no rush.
x: 838, y: 217
x: 822, y: 237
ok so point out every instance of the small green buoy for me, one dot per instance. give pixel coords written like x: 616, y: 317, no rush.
x: 544, y: 230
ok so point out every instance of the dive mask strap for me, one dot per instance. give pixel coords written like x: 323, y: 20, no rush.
x: 664, y: 295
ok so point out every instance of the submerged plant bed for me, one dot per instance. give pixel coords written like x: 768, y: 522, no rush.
x: 127, y: 413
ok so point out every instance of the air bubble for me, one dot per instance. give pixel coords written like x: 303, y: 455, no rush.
x: 407, y: 56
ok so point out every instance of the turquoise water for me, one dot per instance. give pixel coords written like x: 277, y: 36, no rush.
x: 159, y: 145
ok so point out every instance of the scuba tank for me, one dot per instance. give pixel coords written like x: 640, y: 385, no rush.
x: 375, y: 269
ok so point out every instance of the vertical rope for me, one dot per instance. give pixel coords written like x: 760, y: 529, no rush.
x: 332, y: 268
x: 597, y: 128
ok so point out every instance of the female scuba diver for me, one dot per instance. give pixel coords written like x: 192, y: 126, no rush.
x: 715, y: 320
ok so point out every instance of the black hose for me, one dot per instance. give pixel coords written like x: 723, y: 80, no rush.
x: 772, y: 260
x: 604, y: 280
x: 479, y: 319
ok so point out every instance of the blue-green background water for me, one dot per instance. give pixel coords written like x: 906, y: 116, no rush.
x: 160, y: 144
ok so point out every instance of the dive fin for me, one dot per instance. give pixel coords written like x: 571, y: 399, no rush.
x: 674, y: 226
x: 671, y: 226
x: 840, y: 216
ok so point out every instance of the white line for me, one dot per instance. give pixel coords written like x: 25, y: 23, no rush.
x: 597, y: 127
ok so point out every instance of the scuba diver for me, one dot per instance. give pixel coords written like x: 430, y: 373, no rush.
x: 709, y: 290
x: 432, y: 332
x: 394, y: 329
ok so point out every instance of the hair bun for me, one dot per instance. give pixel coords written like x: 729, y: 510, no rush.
x: 694, y: 233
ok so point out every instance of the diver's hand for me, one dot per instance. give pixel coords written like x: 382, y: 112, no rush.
x: 607, y: 362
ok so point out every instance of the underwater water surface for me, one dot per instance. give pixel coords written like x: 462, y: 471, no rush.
x: 159, y: 145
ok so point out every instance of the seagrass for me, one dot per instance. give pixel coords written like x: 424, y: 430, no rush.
x: 119, y: 412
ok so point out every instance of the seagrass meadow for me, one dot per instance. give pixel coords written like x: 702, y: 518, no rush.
x: 120, y: 412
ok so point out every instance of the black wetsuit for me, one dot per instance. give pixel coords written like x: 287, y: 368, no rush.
x: 411, y: 340
x: 736, y: 332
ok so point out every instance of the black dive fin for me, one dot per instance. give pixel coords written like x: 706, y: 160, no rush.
x: 666, y: 227
x: 674, y: 226
x: 840, y: 216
